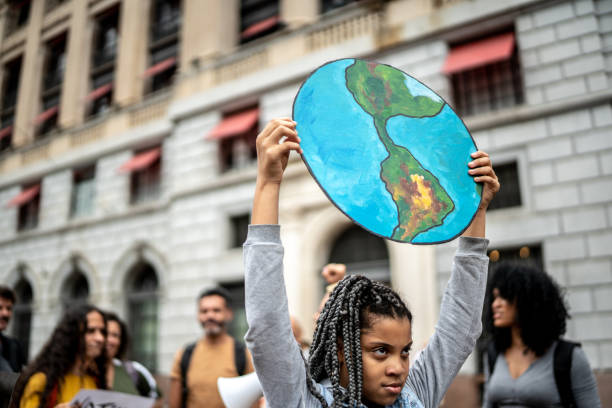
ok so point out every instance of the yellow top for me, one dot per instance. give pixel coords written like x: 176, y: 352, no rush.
x: 70, y: 387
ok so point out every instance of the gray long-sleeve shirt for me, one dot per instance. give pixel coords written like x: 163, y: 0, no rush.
x: 536, y: 387
x: 276, y: 355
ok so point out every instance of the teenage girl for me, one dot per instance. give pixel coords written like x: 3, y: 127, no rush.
x: 360, y: 351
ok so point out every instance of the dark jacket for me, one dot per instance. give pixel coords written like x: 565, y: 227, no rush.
x: 12, y: 352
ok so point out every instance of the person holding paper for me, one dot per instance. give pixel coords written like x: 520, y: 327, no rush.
x: 72, y: 359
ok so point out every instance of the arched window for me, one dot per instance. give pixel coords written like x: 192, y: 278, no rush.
x: 75, y: 290
x: 142, y: 298
x: 22, y: 313
x: 363, y: 253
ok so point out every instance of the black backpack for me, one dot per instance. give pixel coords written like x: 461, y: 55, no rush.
x: 562, y: 366
x: 239, y: 361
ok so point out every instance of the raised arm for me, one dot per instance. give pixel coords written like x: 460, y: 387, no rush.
x: 459, y: 325
x: 276, y: 354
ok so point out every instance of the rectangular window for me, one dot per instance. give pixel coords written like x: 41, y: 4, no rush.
x: 531, y: 254
x: 258, y: 18
x: 510, y: 194
x: 146, y: 183
x: 52, y: 4
x: 18, y: 12
x: 145, y: 169
x: 327, y: 5
x: 236, y: 134
x: 163, y: 43
x: 240, y: 226
x: 239, y: 325
x: 10, y: 88
x: 53, y: 76
x: 29, y: 206
x: 142, y: 301
x: 83, y: 192
x: 104, y: 54
x: 485, y: 75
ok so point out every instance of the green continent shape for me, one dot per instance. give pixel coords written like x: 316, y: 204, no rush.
x: 421, y: 201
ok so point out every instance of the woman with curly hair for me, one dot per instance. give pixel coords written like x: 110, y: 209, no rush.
x: 526, y: 316
x: 72, y: 359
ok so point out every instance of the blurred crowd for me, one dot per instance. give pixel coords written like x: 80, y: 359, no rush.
x: 525, y: 318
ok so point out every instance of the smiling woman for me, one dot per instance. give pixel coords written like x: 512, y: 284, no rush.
x: 72, y: 359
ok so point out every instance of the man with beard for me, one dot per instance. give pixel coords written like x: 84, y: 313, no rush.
x: 12, y: 357
x: 217, y: 354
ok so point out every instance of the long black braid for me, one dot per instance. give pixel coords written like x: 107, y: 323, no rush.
x: 345, y: 314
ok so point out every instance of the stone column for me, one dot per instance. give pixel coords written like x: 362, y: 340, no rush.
x: 209, y: 29
x: 134, y: 24
x: 74, y: 86
x: 296, y: 13
x: 413, y: 275
x: 3, y: 16
x: 28, y: 101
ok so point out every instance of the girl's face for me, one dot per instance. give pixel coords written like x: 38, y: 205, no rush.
x: 113, y: 338
x: 95, y: 335
x: 385, y: 352
x: 504, y: 311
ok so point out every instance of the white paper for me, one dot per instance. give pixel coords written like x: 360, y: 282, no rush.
x: 110, y: 399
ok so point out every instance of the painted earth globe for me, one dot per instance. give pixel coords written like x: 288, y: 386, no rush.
x: 388, y: 151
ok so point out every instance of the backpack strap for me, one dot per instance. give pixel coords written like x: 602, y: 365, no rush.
x: 239, y: 357
x: 563, y: 370
x: 185, y: 360
x: 129, y: 367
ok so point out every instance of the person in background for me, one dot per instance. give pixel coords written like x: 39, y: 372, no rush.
x: 217, y: 354
x: 332, y: 273
x: 73, y: 358
x: 123, y: 375
x: 528, y: 364
x: 12, y: 356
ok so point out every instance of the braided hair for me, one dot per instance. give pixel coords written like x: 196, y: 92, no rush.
x: 349, y: 310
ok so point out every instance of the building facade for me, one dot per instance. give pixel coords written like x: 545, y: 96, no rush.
x: 127, y: 152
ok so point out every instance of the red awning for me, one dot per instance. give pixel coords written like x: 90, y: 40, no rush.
x: 160, y: 67
x: 479, y: 53
x: 99, y: 92
x: 46, y: 115
x: 235, y: 124
x: 25, y: 196
x: 260, y: 26
x: 6, y: 131
x: 141, y: 160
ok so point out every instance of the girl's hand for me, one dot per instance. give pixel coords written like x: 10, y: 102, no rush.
x: 273, y: 150
x: 272, y: 157
x: 482, y: 171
